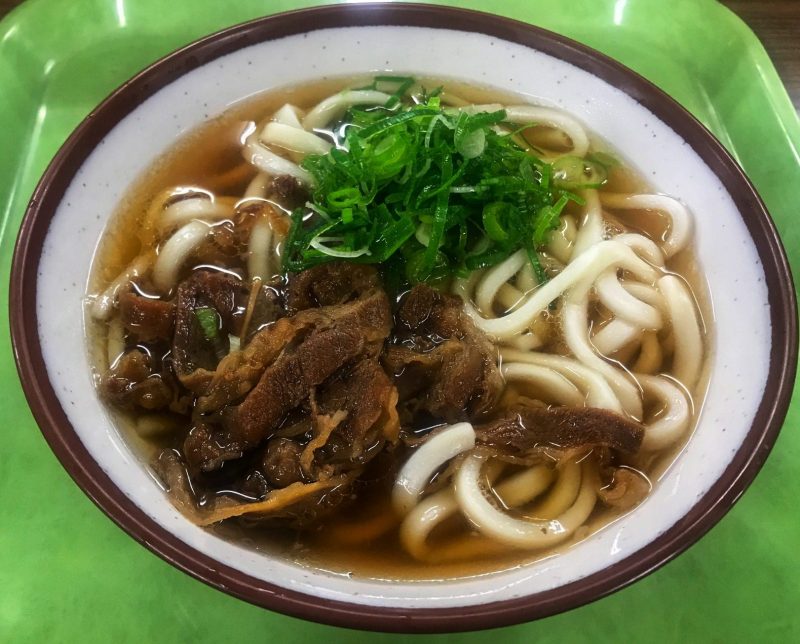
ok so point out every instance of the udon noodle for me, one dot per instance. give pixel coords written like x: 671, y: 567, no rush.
x: 589, y: 356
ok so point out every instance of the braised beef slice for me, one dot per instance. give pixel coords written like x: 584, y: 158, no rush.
x: 288, y: 191
x: 133, y: 383
x: 199, y: 447
x: 624, y: 488
x: 364, y: 392
x: 442, y: 364
x: 427, y: 312
x: 191, y: 349
x: 148, y: 319
x: 334, y: 337
x: 281, y: 462
x: 287, y: 382
x: 238, y: 372
x: 525, y: 428
x: 329, y: 284
x: 266, y: 310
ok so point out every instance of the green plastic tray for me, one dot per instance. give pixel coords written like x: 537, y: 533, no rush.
x: 68, y: 574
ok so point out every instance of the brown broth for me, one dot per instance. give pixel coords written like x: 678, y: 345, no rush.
x: 210, y: 158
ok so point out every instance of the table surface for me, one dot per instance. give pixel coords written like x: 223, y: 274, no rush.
x: 775, y: 22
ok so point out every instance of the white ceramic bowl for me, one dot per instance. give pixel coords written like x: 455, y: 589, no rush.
x: 750, y: 381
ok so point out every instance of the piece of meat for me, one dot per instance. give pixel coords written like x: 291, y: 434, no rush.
x: 238, y: 372
x: 442, y: 364
x: 283, y: 427
x: 525, y: 428
x: 148, y: 319
x: 626, y: 488
x: 334, y: 337
x: 368, y: 399
x: 442, y: 382
x: 199, y: 448
x: 329, y: 284
x: 288, y: 191
x: 426, y: 311
x: 169, y: 467
x: 287, y: 382
x: 194, y: 355
x: 132, y: 383
x: 266, y: 309
x: 297, y: 505
x: 281, y: 462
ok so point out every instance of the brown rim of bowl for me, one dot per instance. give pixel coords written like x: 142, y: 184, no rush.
x: 89, y: 476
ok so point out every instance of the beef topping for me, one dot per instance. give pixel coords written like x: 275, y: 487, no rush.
x: 329, y: 284
x: 288, y: 191
x: 148, y: 319
x: 526, y: 428
x: 133, y: 383
x: 442, y: 364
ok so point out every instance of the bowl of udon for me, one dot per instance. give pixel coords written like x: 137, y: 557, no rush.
x: 403, y: 318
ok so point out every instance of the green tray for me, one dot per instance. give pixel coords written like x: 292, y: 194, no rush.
x: 67, y: 573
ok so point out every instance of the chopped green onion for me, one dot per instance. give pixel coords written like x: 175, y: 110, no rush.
x: 494, y: 216
x: 318, y: 243
x: 432, y: 191
x: 208, y: 319
x: 573, y: 172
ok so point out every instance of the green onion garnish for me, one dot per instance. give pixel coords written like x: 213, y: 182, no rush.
x: 438, y: 190
x: 208, y: 319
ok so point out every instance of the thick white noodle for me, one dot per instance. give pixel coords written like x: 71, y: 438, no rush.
x: 615, y: 335
x: 520, y: 533
x: 562, y: 240
x: 680, y: 228
x: 646, y: 293
x: 585, y: 267
x: 575, y: 324
x: 650, y: 354
x: 293, y: 139
x: 175, y: 251
x: 548, y: 381
x: 463, y: 286
x: 257, y: 188
x: 646, y: 248
x: 673, y: 421
x: 185, y: 210
x: 494, y: 278
x: 259, y: 249
x: 563, y: 494
x: 688, y: 351
x: 526, y: 279
x: 598, y: 393
x: 272, y: 164
x: 335, y: 106
x: 592, y: 225
x: 478, y: 108
x: 551, y: 117
x: 525, y: 342
x: 290, y: 115
x: 423, y: 518
x: 104, y: 304
x: 516, y: 490
x: 624, y: 305
x: 417, y: 471
x: 509, y: 297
